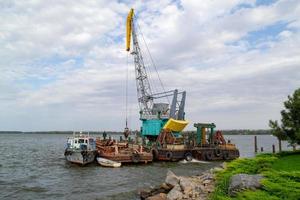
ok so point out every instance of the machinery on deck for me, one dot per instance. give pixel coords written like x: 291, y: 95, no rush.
x: 204, y: 144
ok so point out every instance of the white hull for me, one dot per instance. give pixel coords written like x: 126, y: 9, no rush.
x: 80, y: 157
x: 108, y: 163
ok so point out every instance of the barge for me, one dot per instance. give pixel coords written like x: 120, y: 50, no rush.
x: 122, y: 152
x: 206, y: 144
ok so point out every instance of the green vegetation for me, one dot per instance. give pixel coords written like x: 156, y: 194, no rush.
x: 290, y: 120
x: 281, y: 172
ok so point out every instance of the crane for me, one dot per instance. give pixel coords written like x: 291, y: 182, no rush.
x: 154, y: 114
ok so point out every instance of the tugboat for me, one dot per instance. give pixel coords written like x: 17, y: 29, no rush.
x: 81, y: 149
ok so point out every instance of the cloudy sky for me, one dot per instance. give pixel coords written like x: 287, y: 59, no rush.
x: 63, y: 64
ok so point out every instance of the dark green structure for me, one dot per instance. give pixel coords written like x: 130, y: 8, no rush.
x: 201, y: 132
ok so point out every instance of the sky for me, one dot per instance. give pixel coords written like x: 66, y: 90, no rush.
x: 63, y: 64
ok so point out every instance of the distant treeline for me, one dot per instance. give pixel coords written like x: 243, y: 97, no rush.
x: 59, y: 132
x: 225, y: 132
x: 247, y: 132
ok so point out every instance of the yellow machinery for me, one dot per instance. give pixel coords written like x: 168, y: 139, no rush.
x: 129, y: 28
x: 176, y: 125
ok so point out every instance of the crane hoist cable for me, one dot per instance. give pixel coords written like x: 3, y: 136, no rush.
x: 126, y: 94
x: 151, y: 58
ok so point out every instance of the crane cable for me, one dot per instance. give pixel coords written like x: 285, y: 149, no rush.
x: 147, y: 68
x: 152, y: 61
x: 126, y: 94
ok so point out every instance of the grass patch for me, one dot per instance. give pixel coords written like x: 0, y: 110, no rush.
x: 281, y: 172
x: 288, y: 163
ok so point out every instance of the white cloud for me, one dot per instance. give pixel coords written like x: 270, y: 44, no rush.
x: 63, y: 64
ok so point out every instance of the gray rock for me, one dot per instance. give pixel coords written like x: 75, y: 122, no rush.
x: 223, y: 165
x: 207, y: 181
x: 171, y: 178
x: 175, y: 193
x: 186, y: 185
x: 241, y: 182
x: 206, y: 176
x: 160, y: 196
x: 166, y: 187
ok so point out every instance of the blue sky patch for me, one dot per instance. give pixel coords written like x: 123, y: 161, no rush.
x: 240, y: 6
x: 57, y: 60
x: 258, y: 37
x: 266, y: 33
x: 264, y: 2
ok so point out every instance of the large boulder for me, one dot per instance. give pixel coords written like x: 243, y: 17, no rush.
x: 186, y: 185
x: 175, y: 193
x: 171, y: 179
x: 240, y: 182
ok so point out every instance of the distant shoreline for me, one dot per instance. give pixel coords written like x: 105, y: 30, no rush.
x: 225, y: 132
x: 59, y: 132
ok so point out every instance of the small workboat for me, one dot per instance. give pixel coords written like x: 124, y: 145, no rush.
x: 81, y: 149
x: 108, y: 163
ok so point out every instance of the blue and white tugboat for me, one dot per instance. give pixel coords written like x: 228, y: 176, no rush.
x: 81, y: 149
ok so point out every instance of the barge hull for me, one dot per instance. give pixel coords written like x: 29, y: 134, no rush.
x: 128, y: 158
x: 207, y: 154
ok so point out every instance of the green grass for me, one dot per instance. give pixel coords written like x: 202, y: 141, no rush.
x: 288, y: 163
x: 281, y: 172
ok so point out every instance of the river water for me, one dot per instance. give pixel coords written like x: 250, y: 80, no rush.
x: 32, y: 166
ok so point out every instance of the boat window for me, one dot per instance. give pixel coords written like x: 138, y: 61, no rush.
x: 75, y: 141
x: 81, y: 141
x: 86, y: 141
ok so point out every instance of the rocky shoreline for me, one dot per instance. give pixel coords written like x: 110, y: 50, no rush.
x: 183, y: 187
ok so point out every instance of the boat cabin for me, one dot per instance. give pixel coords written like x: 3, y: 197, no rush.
x: 81, y: 142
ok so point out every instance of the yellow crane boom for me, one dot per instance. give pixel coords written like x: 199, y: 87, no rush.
x: 129, y: 28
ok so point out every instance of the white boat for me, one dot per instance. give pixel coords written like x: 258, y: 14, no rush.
x: 108, y: 163
x: 81, y: 149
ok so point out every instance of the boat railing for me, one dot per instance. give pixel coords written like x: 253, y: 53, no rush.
x: 147, y: 116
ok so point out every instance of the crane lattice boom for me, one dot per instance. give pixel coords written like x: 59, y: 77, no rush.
x: 143, y: 87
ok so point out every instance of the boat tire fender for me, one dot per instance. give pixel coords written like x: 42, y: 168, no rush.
x: 226, y: 155
x: 136, y: 158
x: 218, y: 152
x: 188, y: 156
x: 169, y: 155
x: 155, y: 154
x: 208, y: 155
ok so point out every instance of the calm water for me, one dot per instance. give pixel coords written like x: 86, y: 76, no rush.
x: 32, y: 166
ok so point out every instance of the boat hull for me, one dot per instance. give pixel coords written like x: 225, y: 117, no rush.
x: 206, y: 154
x: 108, y: 163
x: 128, y: 157
x: 79, y: 156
